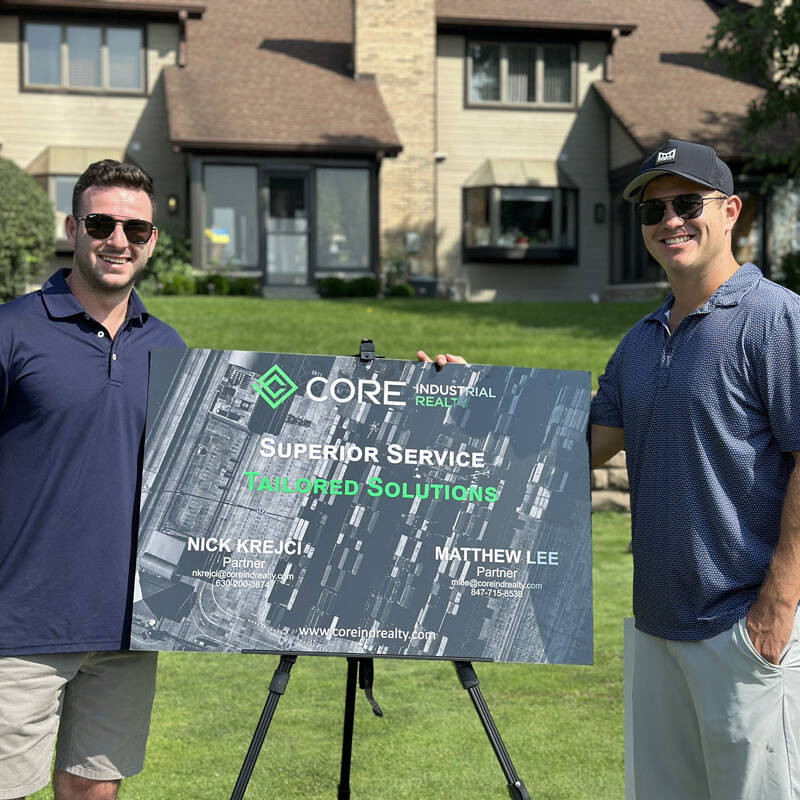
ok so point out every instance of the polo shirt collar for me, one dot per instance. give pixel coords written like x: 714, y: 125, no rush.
x: 62, y: 304
x: 728, y: 294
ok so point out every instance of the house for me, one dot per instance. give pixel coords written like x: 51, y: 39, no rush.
x: 483, y: 144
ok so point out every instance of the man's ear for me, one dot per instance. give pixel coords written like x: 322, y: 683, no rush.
x: 733, y: 207
x: 71, y: 229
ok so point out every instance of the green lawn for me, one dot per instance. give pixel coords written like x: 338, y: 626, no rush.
x: 554, y: 335
x: 562, y: 725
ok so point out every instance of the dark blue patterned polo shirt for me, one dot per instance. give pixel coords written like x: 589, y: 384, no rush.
x: 711, y: 416
x: 72, y: 414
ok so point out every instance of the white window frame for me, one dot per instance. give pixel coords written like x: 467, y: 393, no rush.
x: 538, y: 76
x: 104, y: 88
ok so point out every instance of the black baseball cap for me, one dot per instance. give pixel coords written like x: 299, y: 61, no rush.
x: 690, y: 160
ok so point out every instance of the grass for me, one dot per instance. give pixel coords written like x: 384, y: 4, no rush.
x: 562, y: 725
x: 578, y: 336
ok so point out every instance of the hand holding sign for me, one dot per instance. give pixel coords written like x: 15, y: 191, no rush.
x: 441, y: 359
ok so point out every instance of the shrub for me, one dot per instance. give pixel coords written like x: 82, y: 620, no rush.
x: 169, y: 270
x: 213, y: 284
x: 27, y: 229
x: 245, y: 286
x: 357, y: 287
x: 401, y: 290
x: 332, y: 287
x: 790, y: 265
x: 175, y: 283
x: 363, y: 287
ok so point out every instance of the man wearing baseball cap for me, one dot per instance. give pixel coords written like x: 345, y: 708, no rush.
x: 704, y: 396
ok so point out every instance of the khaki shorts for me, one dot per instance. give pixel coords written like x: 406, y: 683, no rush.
x: 713, y: 720
x: 95, y: 707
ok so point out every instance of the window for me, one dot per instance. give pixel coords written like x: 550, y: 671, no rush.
x: 520, y: 223
x: 84, y: 57
x: 343, y: 218
x: 61, y: 194
x: 520, y: 74
x: 231, y: 233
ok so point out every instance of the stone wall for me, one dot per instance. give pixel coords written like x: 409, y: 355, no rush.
x: 610, y: 486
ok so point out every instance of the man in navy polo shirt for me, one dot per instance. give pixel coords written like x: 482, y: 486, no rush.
x: 704, y: 396
x: 73, y: 391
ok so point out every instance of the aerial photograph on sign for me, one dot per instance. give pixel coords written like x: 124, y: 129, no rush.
x: 334, y: 506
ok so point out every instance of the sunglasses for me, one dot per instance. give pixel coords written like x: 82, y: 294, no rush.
x: 685, y: 206
x: 101, y: 226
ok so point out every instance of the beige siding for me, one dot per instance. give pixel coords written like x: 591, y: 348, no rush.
x: 624, y: 150
x: 396, y: 42
x: 32, y: 121
x: 577, y: 139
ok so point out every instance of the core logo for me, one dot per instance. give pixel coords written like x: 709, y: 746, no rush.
x: 364, y: 390
x: 275, y: 386
x: 666, y: 156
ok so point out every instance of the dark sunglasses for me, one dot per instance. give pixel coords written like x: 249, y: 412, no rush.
x: 101, y: 226
x: 685, y: 206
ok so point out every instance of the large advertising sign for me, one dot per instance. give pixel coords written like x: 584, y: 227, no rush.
x: 312, y: 504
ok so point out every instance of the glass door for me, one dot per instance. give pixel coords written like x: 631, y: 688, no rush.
x: 287, y: 229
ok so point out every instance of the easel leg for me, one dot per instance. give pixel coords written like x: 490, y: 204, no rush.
x: 277, y: 687
x: 347, y: 735
x: 469, y: 680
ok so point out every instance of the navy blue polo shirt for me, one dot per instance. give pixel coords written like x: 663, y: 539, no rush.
x: 711, y: 415
x: 72, y: 414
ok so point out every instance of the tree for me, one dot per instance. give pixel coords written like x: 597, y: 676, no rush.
x: 27, y: 229
x: 760, y: 44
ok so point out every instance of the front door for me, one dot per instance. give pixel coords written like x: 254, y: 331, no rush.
x: 287, y: 228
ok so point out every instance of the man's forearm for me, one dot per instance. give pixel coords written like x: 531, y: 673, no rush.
x: 770, y: 619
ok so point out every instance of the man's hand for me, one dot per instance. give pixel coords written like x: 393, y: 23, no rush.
x: 441, y: 359
x: 769, y: 626
x: 771, y: 617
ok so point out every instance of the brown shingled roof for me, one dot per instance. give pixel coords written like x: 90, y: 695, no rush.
x: 275, y: 75
x: 574, y: 14
x: 157, y: 7
x: 663, y: 86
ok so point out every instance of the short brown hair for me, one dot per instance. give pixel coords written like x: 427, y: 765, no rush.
x: 112, y: 173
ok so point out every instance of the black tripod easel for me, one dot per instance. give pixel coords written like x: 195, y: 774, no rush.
x: 360, y: 673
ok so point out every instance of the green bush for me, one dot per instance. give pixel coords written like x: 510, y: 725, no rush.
x: 363, y: 287
x: 790, y: 265
x: 367, y: 286
x: 213, y: 284
x: 248, y: 287
x: 169, y: 270
x: 333, y: 287
x: 401, y: 290
x: 176, y: 283
x: 27, y: 229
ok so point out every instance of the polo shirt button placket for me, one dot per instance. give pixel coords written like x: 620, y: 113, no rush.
x: 115, y: 364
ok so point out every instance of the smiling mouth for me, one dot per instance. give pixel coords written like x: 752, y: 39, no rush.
x: 118, y: 260
x: 682, y: 239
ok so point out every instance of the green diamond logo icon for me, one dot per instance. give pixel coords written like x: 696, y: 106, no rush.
x: 275, y: 386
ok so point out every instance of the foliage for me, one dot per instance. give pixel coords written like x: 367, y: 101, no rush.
x: 395, y: 265
x: 790, y: 266
x: 27, y: 226
x: 169, y: 270
x: 366, y: 286
x: 213, y: 284
x: 760, y: 43
x: 400, y: 290
x: 332, y: 287
x: 247, y: 287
